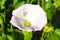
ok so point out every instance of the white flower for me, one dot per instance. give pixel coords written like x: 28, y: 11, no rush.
x: 29, y: 18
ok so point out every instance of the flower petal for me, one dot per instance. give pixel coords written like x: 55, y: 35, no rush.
x: 28, y: 29
x: 36, y: 16
x: 19, y: 11
x: 16, y: 22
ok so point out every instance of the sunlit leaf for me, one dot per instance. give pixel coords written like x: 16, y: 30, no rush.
x: 9, y: 37
x: 18, y: 4
x: 2, y: 2
x: 52, y: 36
x: 48, y: 8
x: 1, y: 38
x: 57, y: 31
x: 4, y: 36
x: 15, y: 1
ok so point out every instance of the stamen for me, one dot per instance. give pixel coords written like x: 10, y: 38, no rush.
x: 26, y: 23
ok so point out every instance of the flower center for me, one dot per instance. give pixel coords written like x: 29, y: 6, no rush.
x: 26, y: 23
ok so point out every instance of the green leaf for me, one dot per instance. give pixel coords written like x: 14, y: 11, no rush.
x: 17, y: 35
x: 57, y: 31
x: 49, y: 14
x: 1, y: 38
x: 18, y: 4
x: 52, y: 36
x: 9, y: 37
x: 2, y: 6
x: 48, y: 8
x: 48, y: 4
x: 4, y: 36
x: 2, y: 2
x: 15, y: 1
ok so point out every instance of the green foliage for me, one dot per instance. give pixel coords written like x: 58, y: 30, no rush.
x: 9, y: 37
x: 2, y: 2
x: 56, y: 3
x: 57, y: 31
x: 18, y: 4
x: 52, y: 36
x: 48, y: 8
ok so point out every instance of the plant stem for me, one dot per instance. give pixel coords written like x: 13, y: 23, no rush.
x: 31, y: 1
x: 42, y: 36
x: 38, y: 2
x: 27, y: 1
x: 43, y: 4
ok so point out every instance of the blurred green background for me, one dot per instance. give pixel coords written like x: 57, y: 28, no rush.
x: 50, y: 32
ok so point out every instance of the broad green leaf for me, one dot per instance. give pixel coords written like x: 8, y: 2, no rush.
x: 57, y: 31
x: 2, y: 15
x: 48, y: 8
x: 17, y: 35
x: 2, y: 2
x: 1, y: 38
x: 52, y: 36
x: 2, y: 6
x: 4, y: 36
x: 49, y: 14
x: 15, y: 1
x: 9, y: 30
x: 9, y: 37
x: 18, y: 4
x: 48, y: 4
